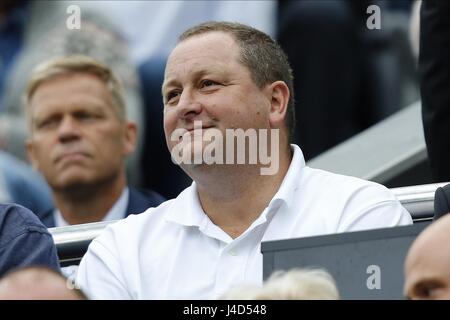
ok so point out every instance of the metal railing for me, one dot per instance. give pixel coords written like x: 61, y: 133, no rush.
x: 418, y: 200
x: 73, y: 241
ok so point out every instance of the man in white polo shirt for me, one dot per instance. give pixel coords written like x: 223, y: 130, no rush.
x: 224, y: 79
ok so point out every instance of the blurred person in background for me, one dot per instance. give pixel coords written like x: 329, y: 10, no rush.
x: 79, y: 138
x: 347, y: 77
x: 39, y: 30
x: 434, y: 68
x: 20, y: 184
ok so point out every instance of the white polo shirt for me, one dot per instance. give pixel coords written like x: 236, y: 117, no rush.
x: 174, y: 251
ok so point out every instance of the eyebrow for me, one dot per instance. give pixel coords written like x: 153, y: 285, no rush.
x: 92, y: 107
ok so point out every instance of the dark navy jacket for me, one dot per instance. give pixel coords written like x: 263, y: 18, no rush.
x: 24, y: 240
x: 138, y: 202
x: 441, y: 201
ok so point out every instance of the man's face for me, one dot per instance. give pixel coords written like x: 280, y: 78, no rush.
x: 204, y: 81
x: 427, y: 267
x: 77, y: 137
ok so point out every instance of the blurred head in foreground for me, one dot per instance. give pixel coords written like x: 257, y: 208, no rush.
x: 37, y: 283
x: 296, y: 284
x: 427, y: 265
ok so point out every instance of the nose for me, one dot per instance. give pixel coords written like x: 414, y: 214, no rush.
x: 188, y: 107
x: 68, y: 130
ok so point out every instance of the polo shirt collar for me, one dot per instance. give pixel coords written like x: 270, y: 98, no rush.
x: 186, y: 208
x: 291, y: 181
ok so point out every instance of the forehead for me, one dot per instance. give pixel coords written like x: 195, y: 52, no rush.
x: 70, y: 88
x: 429, y: 257
x: 212, y: 50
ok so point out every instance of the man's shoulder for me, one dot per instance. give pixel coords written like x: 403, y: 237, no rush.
x: 352, y: 203
x: 14, y: 214
x: 16, y: 220
x: 24, y: 240
x: 329, y: 182
x: 47, y: 217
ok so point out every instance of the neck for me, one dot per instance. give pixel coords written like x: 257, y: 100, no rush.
x: 241, y: 195
x: 89, y: 203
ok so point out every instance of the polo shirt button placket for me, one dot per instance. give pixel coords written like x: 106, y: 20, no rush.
x: 229, y: 269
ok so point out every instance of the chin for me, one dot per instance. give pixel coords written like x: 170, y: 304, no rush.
x: 193, y: 169
x: 72, y: 182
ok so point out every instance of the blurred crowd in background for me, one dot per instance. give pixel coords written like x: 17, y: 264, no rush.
x: 347, y: 76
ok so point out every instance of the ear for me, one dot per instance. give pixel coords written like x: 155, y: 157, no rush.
x: 31, y: 153
x: 279, y: 92
x: 130, y: 139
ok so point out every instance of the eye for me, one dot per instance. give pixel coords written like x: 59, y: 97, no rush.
x: 47, y: 123
x: 86, y: 116
x: 429, y: 290
x: 171, y: 95
x: 208, y: 83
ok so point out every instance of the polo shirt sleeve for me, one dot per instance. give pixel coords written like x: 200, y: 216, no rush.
x: 100, y: 274
x: 370, y: 207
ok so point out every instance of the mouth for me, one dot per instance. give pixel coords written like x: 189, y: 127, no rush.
x: 198, y: 128
x: 71, y: 156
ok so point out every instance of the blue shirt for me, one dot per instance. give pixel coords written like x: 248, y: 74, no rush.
x: 23, y: 185
x: 24, y: 241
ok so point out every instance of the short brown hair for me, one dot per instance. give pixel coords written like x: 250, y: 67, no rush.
x: 263, y: 57
x: 77, y: 64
